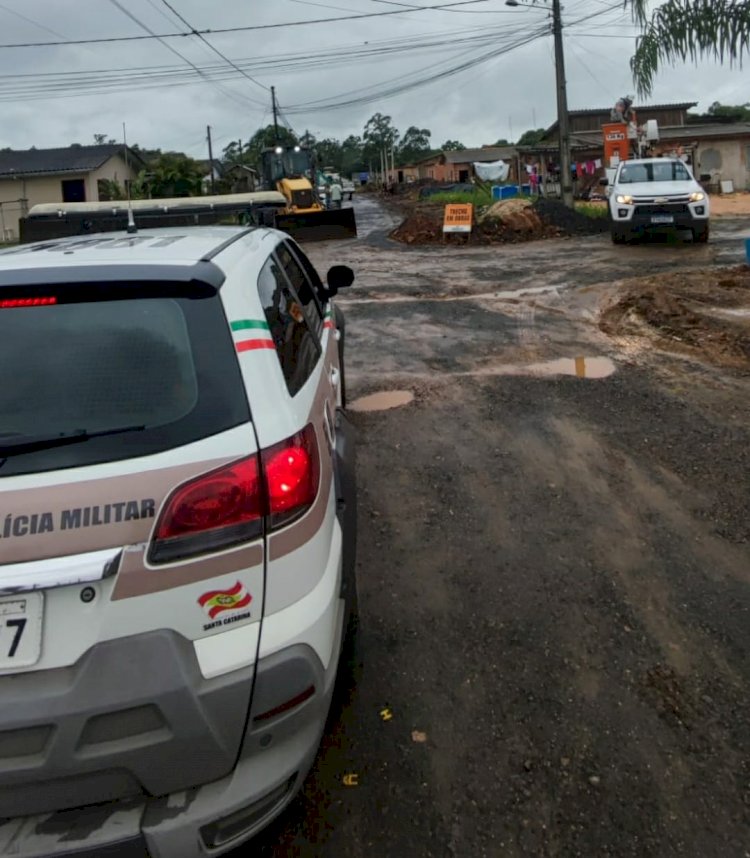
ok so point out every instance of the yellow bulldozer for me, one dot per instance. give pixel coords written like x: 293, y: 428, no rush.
x: 289, y: 171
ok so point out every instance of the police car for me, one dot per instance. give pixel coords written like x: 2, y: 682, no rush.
x: 177, y: 537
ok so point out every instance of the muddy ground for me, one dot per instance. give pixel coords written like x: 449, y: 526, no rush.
x: 554, y: 563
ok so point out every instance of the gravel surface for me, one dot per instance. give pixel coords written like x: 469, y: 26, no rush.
x: 554, y: 569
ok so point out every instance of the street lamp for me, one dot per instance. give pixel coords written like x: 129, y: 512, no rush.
x: 566, y: 182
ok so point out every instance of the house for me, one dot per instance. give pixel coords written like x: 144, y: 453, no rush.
x: 213, y: 172
x: 456, y: 166
x: 73, y: 174
x: 240, y: 179
x: 592, y: 119
x: 718, y: 151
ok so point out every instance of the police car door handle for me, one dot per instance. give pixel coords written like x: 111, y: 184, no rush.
x: 335, y: 377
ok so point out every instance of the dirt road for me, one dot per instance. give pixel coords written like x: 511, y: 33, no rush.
x: 554, y: 567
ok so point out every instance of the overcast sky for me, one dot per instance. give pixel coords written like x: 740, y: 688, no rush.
x: 43, y: 103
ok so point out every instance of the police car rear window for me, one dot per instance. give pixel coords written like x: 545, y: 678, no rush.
x: 94, y: 381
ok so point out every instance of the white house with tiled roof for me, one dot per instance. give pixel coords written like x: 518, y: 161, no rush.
x: 71, y: 174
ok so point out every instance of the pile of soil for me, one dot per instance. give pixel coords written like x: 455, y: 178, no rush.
x: 568, y: 221
x: 504, y: 222
x: 704, y: 312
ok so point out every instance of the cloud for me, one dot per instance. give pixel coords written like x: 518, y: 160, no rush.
x: 500, y: 98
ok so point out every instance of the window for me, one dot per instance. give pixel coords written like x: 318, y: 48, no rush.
x: 73, y: 191
x: 297, y: 346
x: 139, y: 374
x: 665, y: 171
x: 303, y: 285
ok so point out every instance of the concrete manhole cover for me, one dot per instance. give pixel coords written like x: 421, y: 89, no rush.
x: 382, y: 400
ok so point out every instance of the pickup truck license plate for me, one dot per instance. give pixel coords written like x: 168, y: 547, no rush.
x: 662, y: 218
x: 21, y: 630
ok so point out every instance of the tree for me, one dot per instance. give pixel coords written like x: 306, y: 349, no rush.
x: 352, y: 157
x: 265, y: 138
x: 101, y: 139
x: 531, y: 137
x: 503, y: 142
x: 688, y: 30
x: 380, y: 136
x: 172, y: 174
x: 452, y: 146
x: 415, y: 144
x: 718, y: 112
x: 328, y: 153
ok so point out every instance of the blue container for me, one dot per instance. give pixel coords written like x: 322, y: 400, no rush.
x: 508, y: 191
x: 747, y: 250
x: 497, y: 192
x: 526, y: 189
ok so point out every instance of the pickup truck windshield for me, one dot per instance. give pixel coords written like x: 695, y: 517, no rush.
x: 668, y: 171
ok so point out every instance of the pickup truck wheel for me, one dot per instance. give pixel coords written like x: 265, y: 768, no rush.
x: 700, y: 236
x: 618, y: 236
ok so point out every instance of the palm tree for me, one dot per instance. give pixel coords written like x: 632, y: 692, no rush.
x: 688, y: 30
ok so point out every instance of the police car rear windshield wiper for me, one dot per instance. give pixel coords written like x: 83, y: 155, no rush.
x: 10, y: 444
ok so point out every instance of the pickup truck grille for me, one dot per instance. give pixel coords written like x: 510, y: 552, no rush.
x: 660, y: 200
x: 662, y: 208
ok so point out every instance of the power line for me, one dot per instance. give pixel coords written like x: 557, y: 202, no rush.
x: 55, y: 84
x: 245, y: 29
x: 31, y: 21
x: 209, y: 45
x: 414, y: 84
x: 117, y: 4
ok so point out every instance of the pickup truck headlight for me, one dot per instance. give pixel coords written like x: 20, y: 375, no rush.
x: 697, y: 196
x: 624, y: 199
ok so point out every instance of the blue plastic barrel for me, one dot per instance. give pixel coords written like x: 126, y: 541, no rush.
x: 496, y: 192
x: 508, y: 191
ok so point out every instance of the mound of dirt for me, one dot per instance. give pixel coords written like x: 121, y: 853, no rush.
x: 504, y: 222
x: 568, y: 221
x: 704, y: 312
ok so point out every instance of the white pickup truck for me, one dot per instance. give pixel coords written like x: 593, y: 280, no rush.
x: 655, y: 193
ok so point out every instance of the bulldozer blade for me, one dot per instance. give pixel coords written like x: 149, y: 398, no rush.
x: 325, y: 225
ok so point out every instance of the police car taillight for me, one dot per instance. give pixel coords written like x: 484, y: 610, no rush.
x: 228, y: 506
x: 212, y: 512
x: 292, y: 471
x: 40, y: 301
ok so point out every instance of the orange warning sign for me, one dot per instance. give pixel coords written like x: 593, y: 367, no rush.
x: 458, y: 217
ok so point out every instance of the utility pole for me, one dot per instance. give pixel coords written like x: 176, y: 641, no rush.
x: 563, y: 121
x: 211, y: 159
x: 275, y: 113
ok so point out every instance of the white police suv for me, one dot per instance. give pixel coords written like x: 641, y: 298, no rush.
x: 177, y: 537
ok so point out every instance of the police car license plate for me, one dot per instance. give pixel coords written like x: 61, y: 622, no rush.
x: 21, y: 630
x: 662, y: 218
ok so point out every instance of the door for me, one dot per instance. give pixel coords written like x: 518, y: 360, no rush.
x: 73, y: 191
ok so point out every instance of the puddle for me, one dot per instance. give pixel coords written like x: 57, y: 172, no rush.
x: 382, y: 401
x: 581, y: 367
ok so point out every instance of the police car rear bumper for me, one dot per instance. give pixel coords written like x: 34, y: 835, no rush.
x: 211, y: 819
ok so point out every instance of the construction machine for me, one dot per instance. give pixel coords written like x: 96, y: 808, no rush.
x: 290, y: 171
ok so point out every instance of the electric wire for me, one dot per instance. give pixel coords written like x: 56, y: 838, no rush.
x: 240, y: 29
x: 210, y: 46
x: 117, y: 4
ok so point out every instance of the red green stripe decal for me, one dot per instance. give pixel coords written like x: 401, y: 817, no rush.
x: 251, y: 345
x: 258, y: 332
x: 249, y: 325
